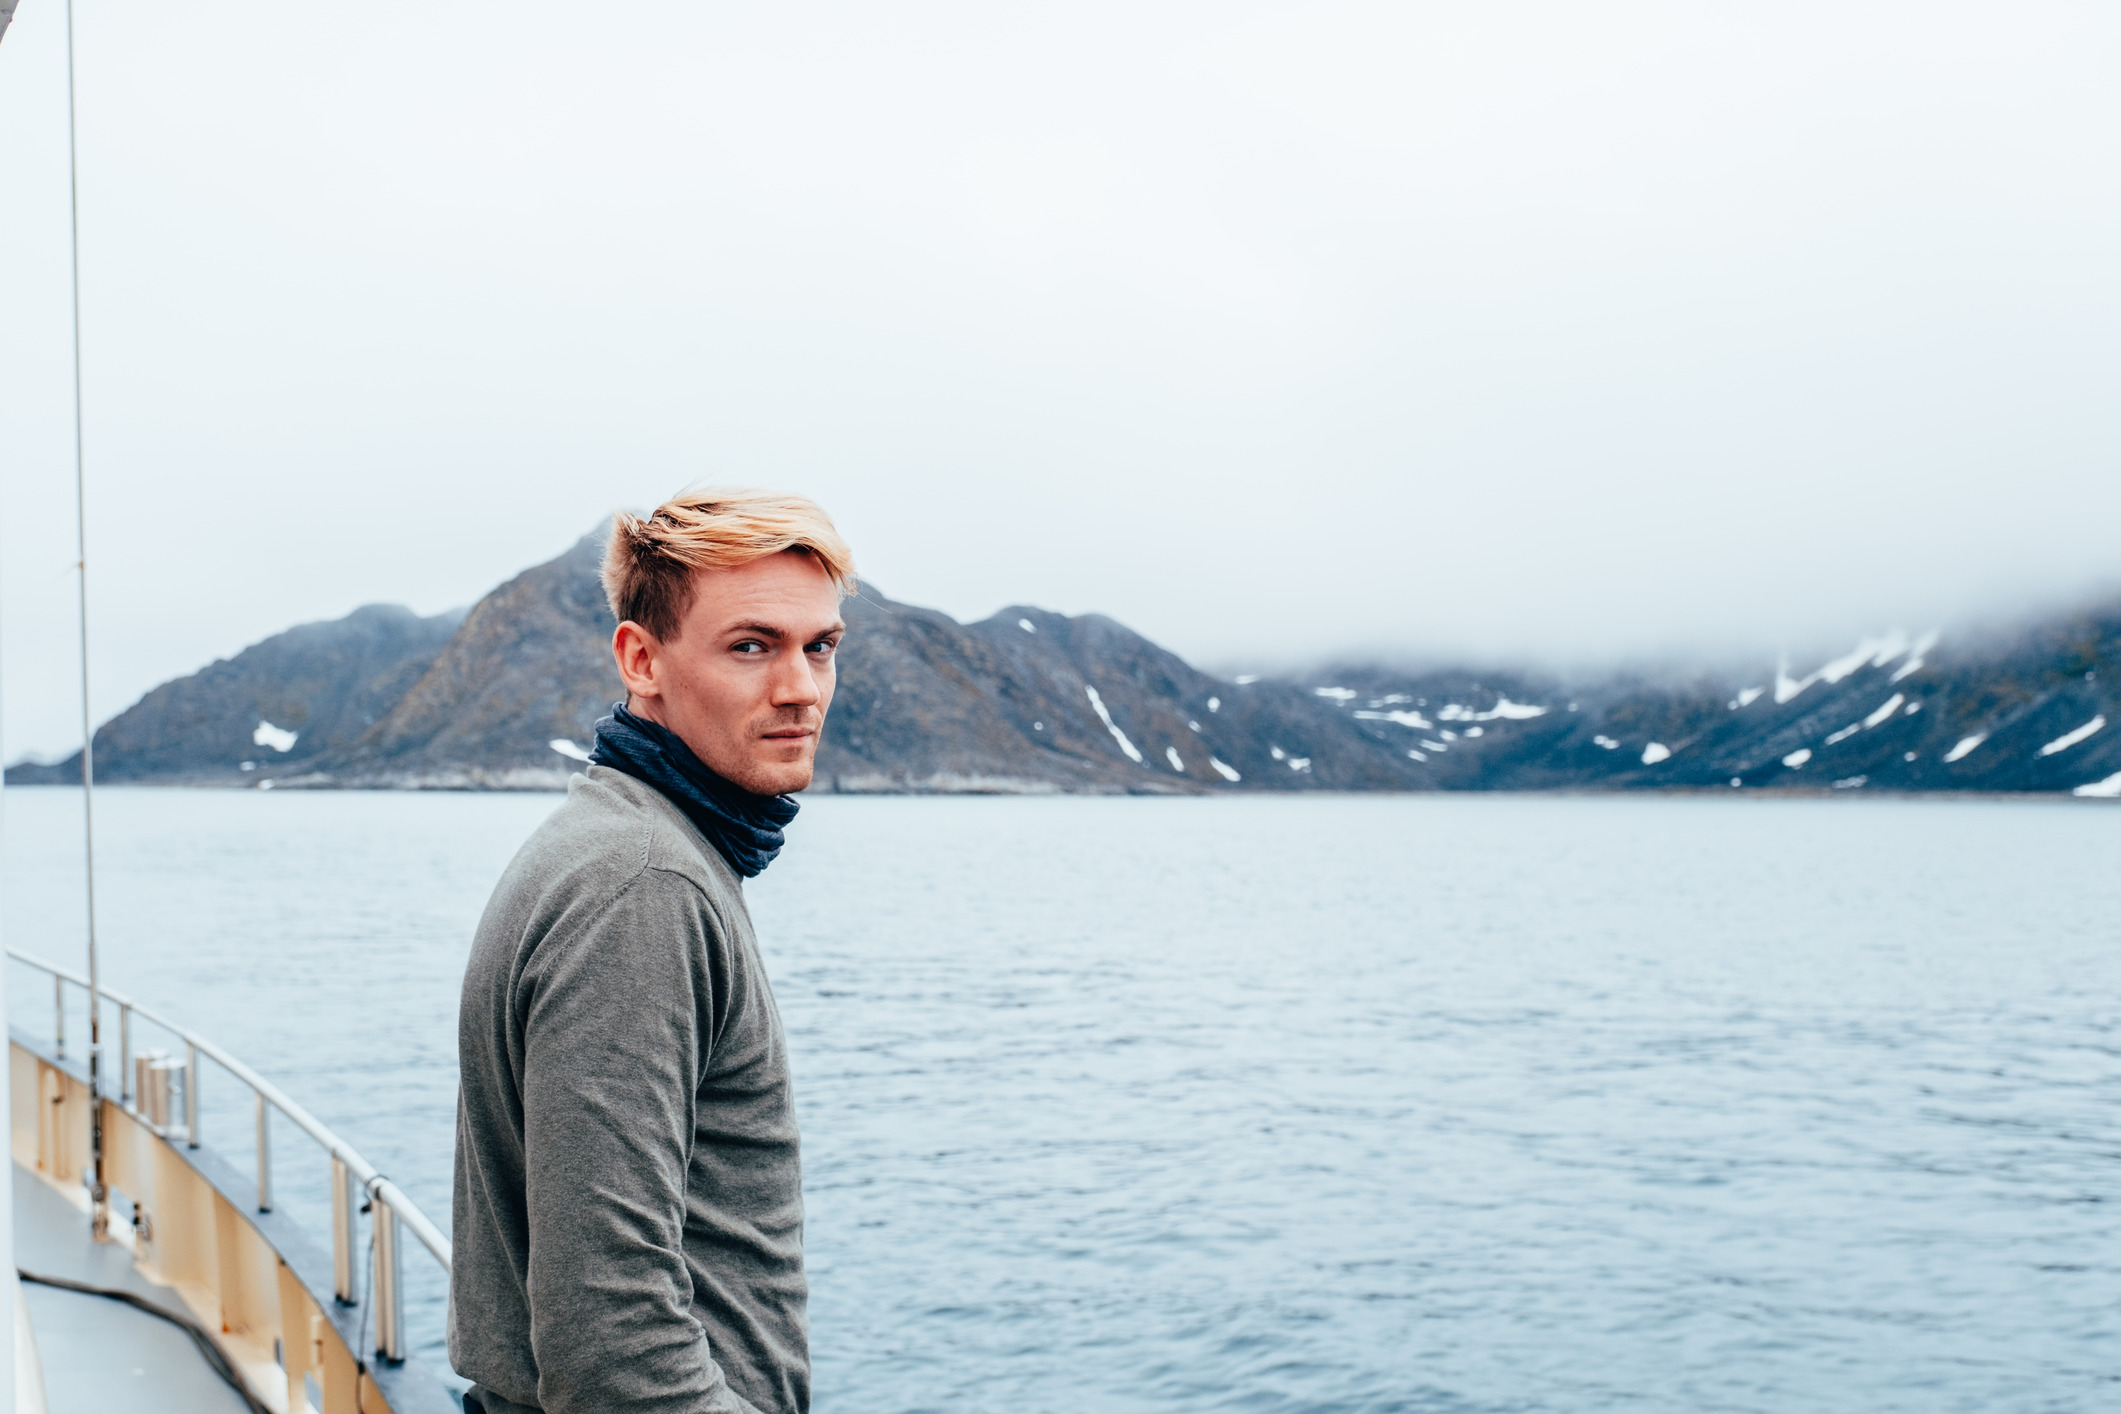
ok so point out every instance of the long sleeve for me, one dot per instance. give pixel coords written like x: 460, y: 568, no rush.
x: 617, y: 1019
x: 628, y: 1201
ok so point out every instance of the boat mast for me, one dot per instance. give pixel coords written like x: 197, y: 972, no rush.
x: 99, y: 1193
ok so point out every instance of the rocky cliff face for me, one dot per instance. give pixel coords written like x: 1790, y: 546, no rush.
x: 278, y: 705
x: 1026, y: 702
x: 529, y: 666
x: 1034, y: 702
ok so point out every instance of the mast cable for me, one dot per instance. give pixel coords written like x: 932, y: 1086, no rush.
x: 99, y: 1194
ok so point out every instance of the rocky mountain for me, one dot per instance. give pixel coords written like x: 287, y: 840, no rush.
x: 279, y: 704
x: 1028, y: 701
x: 1035, y: 701
x: 2034, y: 710
x: 529, y: 666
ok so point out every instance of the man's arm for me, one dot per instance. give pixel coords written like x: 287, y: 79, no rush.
x: 612, y: 1048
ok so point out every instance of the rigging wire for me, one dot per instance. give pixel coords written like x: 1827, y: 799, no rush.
x: 99, y: 1193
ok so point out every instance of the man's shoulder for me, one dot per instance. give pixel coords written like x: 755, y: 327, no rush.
x: 614, y: 833
x: 614, y: 852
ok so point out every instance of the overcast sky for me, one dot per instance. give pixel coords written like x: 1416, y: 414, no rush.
x: 1279, y: 332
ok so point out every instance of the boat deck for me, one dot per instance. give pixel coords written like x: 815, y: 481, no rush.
x: 98, y: 1354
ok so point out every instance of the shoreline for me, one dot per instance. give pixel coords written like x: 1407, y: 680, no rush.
x: 1046, y: 790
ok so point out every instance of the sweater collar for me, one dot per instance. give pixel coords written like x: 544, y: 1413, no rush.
x: 745, y: 828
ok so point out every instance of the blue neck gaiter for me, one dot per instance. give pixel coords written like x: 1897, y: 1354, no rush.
x: 746, y: 828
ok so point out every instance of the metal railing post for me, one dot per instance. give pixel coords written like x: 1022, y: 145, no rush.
x: 191, y: 1095
x: 264, y: 1155
x: 59, y: 1016
x: 345, y: 1206
x: 390, y: 1295
x: 125, y: 1051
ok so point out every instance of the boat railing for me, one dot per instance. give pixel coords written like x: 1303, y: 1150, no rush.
x: 351, y: 1174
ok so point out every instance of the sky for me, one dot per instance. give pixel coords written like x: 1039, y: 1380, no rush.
x: 1282, y: 333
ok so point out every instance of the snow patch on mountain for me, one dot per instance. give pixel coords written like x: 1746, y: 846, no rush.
x: 1891, y: 705
x: 1133, y: 752
x: 1503, y: 710
x: 2070, y: 739
x: 1413, y: 720
x: 1915, y: 655
x: 1871, y: 652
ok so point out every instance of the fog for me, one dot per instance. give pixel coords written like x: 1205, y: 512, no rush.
x: 1280, y: 333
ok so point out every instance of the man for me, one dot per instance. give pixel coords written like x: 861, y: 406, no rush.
x: 629, y: 1211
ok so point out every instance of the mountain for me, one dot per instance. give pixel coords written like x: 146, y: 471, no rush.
x: 1035, y: 701
x: 504, y: 697
x: 2035, y: 710
x: 528, y: 666
x: 1025, y: 702
x: 284, y: 702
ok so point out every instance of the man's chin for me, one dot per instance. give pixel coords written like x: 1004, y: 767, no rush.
x: 791, y: 779
x: 779, y: 777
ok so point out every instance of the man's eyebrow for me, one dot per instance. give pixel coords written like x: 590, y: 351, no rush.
x: 766, y: 630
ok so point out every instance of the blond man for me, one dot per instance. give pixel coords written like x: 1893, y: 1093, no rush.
x: 629, y: 1208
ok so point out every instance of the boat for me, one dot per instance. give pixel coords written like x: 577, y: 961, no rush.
x: 166, y: 1277
x: 269, y: 1316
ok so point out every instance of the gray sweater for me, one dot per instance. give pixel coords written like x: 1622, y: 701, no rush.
x: 629, y: 1208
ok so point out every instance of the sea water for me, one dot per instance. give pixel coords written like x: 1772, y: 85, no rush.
x: 1320, y: 1103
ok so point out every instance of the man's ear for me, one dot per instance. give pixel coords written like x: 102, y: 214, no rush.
x: 639, y: 655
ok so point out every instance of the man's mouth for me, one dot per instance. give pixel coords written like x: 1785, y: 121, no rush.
x: 791, y: 733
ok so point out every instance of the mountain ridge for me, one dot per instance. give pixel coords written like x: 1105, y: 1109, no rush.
x: 1027, y: 701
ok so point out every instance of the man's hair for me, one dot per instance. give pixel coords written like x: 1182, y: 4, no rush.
x: 649, y: 564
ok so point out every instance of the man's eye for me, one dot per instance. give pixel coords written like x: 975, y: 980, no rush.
x: 823, y: 647
x: 749, y: 645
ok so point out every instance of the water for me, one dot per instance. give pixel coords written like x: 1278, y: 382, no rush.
x: 1464, y: 1103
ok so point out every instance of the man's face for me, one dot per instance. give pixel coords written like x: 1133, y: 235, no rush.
x: 750, y: 674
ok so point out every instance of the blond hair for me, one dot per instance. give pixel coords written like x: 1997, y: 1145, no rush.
x: 649, y: 563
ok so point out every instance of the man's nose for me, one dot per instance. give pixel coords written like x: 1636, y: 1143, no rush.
x: 794, y: 684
